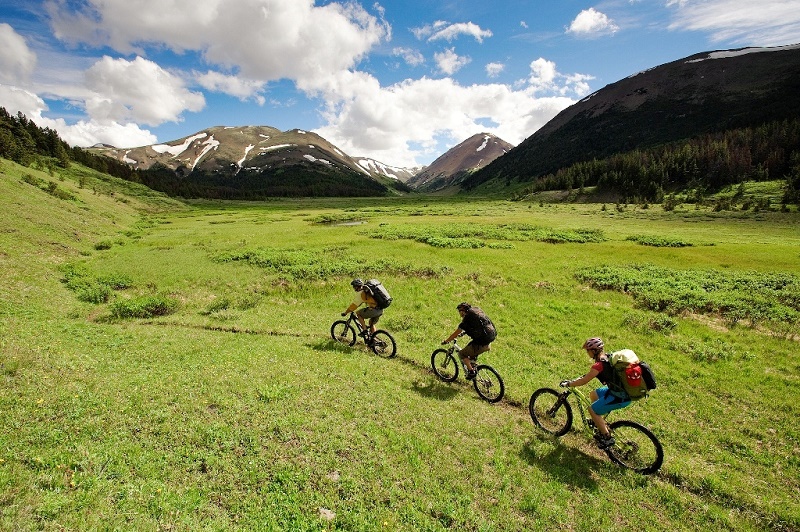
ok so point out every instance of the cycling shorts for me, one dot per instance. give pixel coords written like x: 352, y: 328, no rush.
x: 607, y: 401
x: 371, y: 313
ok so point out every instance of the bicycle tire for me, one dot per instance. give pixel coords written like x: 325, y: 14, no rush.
x: 444, y: 365
x: 635, y: 447
x: 488, y: 383
x: 343, y: 332
x: 383, y: 344
x: 550, y: 412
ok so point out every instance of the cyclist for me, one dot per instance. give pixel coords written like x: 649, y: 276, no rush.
x: 479, y: 328
x: 603, y: 399
x: 371, y: 311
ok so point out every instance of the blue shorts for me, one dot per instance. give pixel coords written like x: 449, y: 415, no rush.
x: 607, y: 401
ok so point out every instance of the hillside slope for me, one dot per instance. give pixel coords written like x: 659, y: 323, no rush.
x: 458, y: 162
x: 706, y: 92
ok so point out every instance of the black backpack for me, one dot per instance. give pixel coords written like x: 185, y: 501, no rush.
x: 479, y: 327
x: 378, y: 293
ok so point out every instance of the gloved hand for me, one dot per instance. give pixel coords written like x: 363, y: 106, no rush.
x: 445, y: 342
x: 564, y: 384
x: 344, y: 313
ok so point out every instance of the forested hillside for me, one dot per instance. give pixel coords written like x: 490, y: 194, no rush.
x: 23, y: 142
x: 706, y: 163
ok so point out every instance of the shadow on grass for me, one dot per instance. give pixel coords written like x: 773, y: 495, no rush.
x: 570, y: 465
x: 435, y: 389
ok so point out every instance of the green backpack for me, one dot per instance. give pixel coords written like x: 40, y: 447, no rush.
x: 631, y: 376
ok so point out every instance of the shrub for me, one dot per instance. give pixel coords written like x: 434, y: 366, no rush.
x: 144, y: 307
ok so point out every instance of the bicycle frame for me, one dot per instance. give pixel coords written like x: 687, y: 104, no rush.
x: 583, y: 407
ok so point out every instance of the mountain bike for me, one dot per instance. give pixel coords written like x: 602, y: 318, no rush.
x: 487, y: 381
x: 635, y: 447
x: 346, y: 332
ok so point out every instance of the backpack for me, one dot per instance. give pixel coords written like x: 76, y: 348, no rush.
x: 630, y: 375
x: 379, y: 293
x: 479, y: 326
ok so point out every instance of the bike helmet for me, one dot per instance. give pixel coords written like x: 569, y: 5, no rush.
x: 595, y: 344
x: 464, y: 306
x: 357, y: 282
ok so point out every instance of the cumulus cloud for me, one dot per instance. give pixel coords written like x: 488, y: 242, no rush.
x: 545, y: 77
x: 241, y: 88
x: 264, y: 39
x: 744, y: 22
x: 441, y: 30
x: 449, y: 62
x: 410, y: 56
x: 138, y: 91
x: 494, y: 69
x: 406, y: 121
x: 83, y: 133
x: 17, y: 61
x: 591, y: 22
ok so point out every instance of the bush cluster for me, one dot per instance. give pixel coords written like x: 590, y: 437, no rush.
x: 749, y: 296
x: 474, y: 236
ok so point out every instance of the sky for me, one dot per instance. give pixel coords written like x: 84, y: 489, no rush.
x: 399, y: 81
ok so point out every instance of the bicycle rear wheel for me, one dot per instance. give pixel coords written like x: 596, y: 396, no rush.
x: 343, y: 332
x: 444, y: 365
x: 488, y: 383
x: 383, y: 344
x: 550, y: 411
x: 635, y: 447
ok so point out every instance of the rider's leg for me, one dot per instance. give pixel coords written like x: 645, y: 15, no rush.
x: 603, y: 402
x: 470, y: 354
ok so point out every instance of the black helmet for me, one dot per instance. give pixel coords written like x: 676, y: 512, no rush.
x: 357, y: 282
x: 464, y: 306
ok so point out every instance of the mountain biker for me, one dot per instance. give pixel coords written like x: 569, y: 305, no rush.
x: 477, y: 325
x: 370, y: 311
x: 603, y: 400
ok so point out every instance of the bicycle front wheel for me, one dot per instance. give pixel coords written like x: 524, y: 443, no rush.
x: 444, y: 365
x: 635, y: 447
x: 488, y: 384
x: 550, y: 411
x: 383, y: 344
x: 343, y: 332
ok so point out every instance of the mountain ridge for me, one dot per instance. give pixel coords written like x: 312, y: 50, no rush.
x: 705, y: 92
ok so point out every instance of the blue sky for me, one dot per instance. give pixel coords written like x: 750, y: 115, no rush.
x: 400, y: 81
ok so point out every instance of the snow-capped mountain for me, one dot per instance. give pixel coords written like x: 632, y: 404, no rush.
x: 458, y: 162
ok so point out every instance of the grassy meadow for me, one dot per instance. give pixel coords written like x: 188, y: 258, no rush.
x: 167, y: 365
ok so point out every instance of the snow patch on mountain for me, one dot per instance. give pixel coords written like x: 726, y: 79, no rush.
x: 177, y: 149
x: 209, y: 144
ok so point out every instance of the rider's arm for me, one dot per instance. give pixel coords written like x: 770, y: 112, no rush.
x: 453, y: 336
x: 583, y: 380
x: 358, y: 300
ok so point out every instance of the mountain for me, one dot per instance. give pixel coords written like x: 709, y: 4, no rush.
x: 458, y: 162
x: 257, y: 161
x: 378, y: 170
x: 704, y: 93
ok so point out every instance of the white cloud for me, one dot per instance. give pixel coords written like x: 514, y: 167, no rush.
x: 494, y: 69
x: 405, y: 122
x: 743, y: 22
x: 236, y: 86
x: 546, y: 78
x: 453, y: 31
x: 83, y: 133
x: 138, y: 91
x: 410, y: 56
x: 17, y: 61
x: 449, y: 62
x: 591, y: 22
x: 263, y: 39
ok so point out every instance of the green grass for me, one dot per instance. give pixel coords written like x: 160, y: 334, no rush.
x: 234, y: 411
